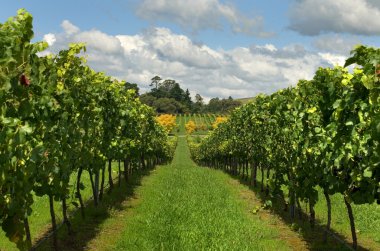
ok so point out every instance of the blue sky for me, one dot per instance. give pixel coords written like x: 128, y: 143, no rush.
x: 118, y: 17
x: 213, y: 47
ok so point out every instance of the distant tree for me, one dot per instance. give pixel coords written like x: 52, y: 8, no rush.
x: 168, y: 96
x: 198, y: 99
x: 133, y: 86
x: 155, y: 81
x: 198, y: 105
x: 187, y: 98
x: 168, y: 105
x: 164, y: 88
x: 214, y: 105
x: 177, y: 93
x: 148, y: 99
x: 159, y: 93
x: 167, y: 85
x: 229, y: 104
x: 217, y: 105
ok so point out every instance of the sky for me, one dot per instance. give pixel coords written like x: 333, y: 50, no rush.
x: 212, y: 47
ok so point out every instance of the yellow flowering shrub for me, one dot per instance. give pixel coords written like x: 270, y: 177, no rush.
x: 190, y: 126
x: 218, y: 120
x: 168, y: 121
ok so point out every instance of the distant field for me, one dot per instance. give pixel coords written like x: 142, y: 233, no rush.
x: 245, y: 100
x: 203, y: 122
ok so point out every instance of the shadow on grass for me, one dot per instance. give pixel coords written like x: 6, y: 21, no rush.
x: 313, y: 237
x: 84, y: 230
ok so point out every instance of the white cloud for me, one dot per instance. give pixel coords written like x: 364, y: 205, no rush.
x: 131, y: 44
x: 201, y: 14
x: 333, y: 59
x: 336, y: 43
x: 49, y: 38
x: 314, y: 17
x: 239, y: 72
x: 269, y: 47
x: 69, y: 28
x: 172, y: 47
x: 99, y: 41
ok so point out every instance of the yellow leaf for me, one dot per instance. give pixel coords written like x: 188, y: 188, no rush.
x: 60, y: 86
x: 312, y: 110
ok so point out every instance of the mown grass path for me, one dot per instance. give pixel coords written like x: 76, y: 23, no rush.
x: 185, y: 207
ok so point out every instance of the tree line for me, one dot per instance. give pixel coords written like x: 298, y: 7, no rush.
x: 167, y: 96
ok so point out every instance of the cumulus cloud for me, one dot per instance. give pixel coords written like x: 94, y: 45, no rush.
x: 335, y: 43
x: 172, y: 47
x: 69, y: 28
x: 314, y: 17
x: 49, y: 38
x: 239, y: 72
x: 333, y: 59
x: 201, y: 14
x: 99, y: 41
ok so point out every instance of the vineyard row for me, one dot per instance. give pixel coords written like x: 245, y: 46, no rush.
x: 323, y: 133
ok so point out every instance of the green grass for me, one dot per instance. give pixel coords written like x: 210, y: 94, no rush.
x: 181, y: 125
x: 177, y: 128
x: 245, y: 100
x: 40, y: 220
x: 102, y: 224
x: 186, y: 207
x: 367, y: 220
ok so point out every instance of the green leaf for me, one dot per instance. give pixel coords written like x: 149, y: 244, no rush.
x: 350, y: 61
x: 256, y: 209
x: 26, y: 129
x: 311, y: 110
x: 367, y: 82
x: 367, y: 173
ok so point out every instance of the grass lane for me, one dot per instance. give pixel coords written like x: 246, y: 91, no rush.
x: 186, y: 207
